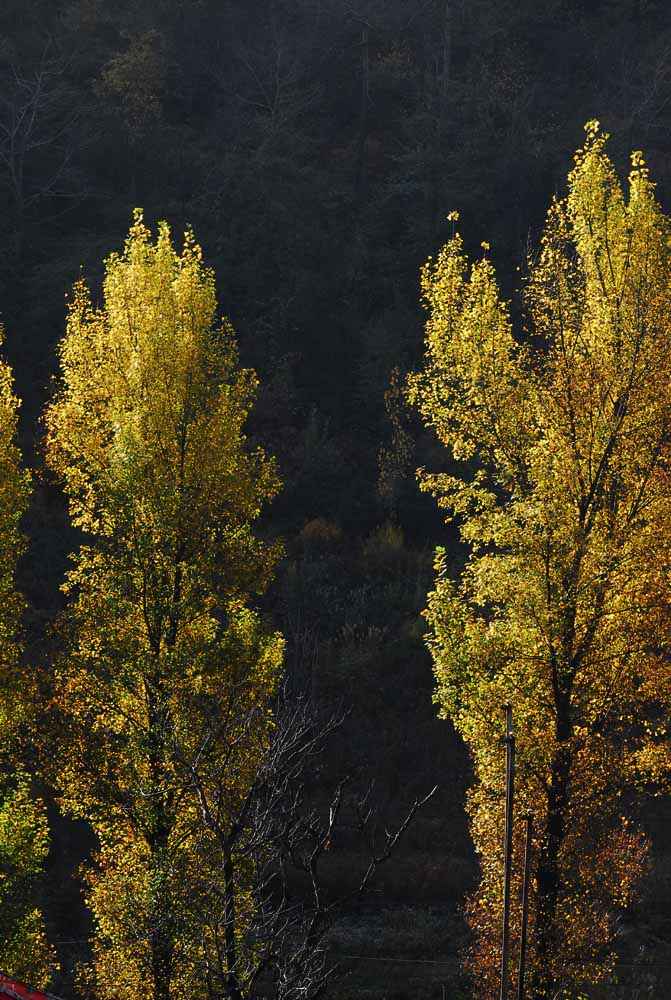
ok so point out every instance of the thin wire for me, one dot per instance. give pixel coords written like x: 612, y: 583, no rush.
x: 453, y: 962
x: 411, y: 961
x: 456, y: 962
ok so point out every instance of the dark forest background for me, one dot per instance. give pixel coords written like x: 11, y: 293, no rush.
x: 316, y: 147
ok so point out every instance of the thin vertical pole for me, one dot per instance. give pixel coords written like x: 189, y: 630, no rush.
x: 525, y: 907
x: 508, y: 849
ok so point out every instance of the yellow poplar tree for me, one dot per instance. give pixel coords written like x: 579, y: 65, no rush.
x: 24, y: 839
x: 146, y: 433
x: 560, y: 448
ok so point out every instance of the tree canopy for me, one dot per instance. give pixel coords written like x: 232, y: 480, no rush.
x: 146, y: 433
x: 560, y: 440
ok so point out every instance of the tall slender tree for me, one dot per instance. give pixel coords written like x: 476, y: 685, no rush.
x: 561, y: 440
x: 146, y: 433
x: 24, y: 837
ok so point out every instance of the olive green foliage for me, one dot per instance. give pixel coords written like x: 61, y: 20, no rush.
x: 24, y: 840
x: 24, y: 845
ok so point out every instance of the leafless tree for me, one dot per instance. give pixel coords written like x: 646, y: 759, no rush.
x: 38, y: 137
x: 273, y: 944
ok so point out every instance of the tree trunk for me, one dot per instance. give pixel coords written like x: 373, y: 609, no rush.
x: 548, y: 868
x: 162, y: 945
x: 161, y: 963
x: 232, y: 984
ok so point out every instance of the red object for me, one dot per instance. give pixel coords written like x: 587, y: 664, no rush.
x: 19, y: 991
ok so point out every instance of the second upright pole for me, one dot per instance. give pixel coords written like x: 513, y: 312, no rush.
x: 525, y: 907
x: 508, y: 850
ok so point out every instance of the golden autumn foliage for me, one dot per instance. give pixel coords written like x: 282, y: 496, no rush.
x: 560, y: 438
x: 146, y: 433
x: 24, y: 837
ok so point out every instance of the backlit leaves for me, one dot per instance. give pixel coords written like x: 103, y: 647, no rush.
x: 147, y: 434
x: 561, y: 440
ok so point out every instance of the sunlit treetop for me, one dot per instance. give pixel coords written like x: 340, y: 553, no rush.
x: 147, y: 429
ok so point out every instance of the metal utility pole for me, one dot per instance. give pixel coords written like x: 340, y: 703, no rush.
x: 508, y: 849
x: 525, y: 907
